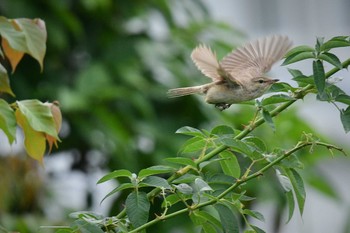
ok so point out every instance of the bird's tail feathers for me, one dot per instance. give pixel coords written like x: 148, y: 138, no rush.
x: 183, y: 91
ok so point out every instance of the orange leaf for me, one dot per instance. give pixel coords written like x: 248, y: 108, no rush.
x: 57, y: 117
x: 13, y: 55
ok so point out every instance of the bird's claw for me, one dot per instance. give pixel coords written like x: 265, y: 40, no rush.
x: 222, y: 106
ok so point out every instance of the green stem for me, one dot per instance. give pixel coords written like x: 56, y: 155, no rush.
x: 236, y: 184
x: 300, y: 95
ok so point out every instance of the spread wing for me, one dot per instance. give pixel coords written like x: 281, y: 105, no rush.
x: 256, y: 58
x: 206, y: 61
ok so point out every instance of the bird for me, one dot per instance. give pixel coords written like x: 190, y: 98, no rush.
x: 240, y: 75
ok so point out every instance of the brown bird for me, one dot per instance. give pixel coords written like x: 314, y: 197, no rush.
x: 239, y: 76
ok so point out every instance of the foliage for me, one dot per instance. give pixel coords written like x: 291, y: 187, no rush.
x: 40, y: 122
x: 209, y: 186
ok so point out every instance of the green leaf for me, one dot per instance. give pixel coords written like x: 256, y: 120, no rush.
x: 114, y: 175
x: 119, y: 188
x: 184, y: 188
x: 154, y: 170
x: 156, y: 181
x: 7, y: 121
x: 319, y: 43
x: 5, y: 82
x: 86, y: 227
x: 300, y: 53
x: 236, y: 145
x: 15, y: 38
x: 276, y: 99
x: 268, y: 119
x: 342, y: 98
x: 319, y: 75
x: 284, y: 181
x: 171, y: 199
x: 208, y: 228
x: 222, y: 130
x: 137, y: 208
x: 298, y: 50
x: 187, y: 178
x: 256, y: 142
x: 39, y: 116
x: 187, y: 130
x: 34, y: 141
x: 304, y: 79
x: 254, y: 214
x: 201, y: 186
x: 207, y: 217
x: 35, y: 37
x: 280, y: 87
x: 335, y: 42
x: 227, y: 218
x: 331, y: 58
x: 229, y: 164
x: 298, y: 186
x: 194, y: 144
x: 257, y: 229
x: 345, y: 119
x: 295, y: 73
x: 291, y: 204
x: 182, y: 161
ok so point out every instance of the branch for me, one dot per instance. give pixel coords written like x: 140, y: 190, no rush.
x: 299, y: 95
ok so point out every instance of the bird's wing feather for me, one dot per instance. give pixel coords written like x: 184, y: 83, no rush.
x: 257, y: 57
x: 206, y: 61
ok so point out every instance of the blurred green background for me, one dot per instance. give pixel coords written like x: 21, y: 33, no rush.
x: 109, y: 64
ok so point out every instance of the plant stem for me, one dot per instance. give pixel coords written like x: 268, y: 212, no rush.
x: 300, y: 95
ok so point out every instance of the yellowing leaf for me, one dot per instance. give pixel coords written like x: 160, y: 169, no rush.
x: 34, y: 141
x: 39, y: 116
x: 57, y: 117
x: 5, y: 82
x: 14, y: 56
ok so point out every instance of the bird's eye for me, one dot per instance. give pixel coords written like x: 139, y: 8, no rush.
x: 261, y: 81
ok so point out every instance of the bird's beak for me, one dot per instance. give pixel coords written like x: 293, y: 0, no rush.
x: 274, y: 81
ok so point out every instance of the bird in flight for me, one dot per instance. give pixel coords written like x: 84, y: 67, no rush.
x: 240, y: 75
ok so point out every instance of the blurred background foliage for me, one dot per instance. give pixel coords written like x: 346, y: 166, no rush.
x: 109, y: 64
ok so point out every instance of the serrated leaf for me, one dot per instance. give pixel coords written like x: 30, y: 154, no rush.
x: 187, y: 130
x: 5, y: 82
x: 268, y: 119
x: 182, y: 161
x: 154, y: 170
x: 155, y: 181
x: 229, y: 164
x: 137, y: 208
x: 7, y: 120
x: 331, y: 58
x: 276, y: 99
x: 345, y: 119
x: 115, y: 174
x: 227, y: 219
x: 298, y: 186
x: 34, y: 141
x: 319, y: 75
x: 39, y: 116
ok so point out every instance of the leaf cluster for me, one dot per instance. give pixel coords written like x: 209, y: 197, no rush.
x: 40, y: 122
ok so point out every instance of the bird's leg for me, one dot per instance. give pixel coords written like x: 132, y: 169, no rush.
x: 222, y: 106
